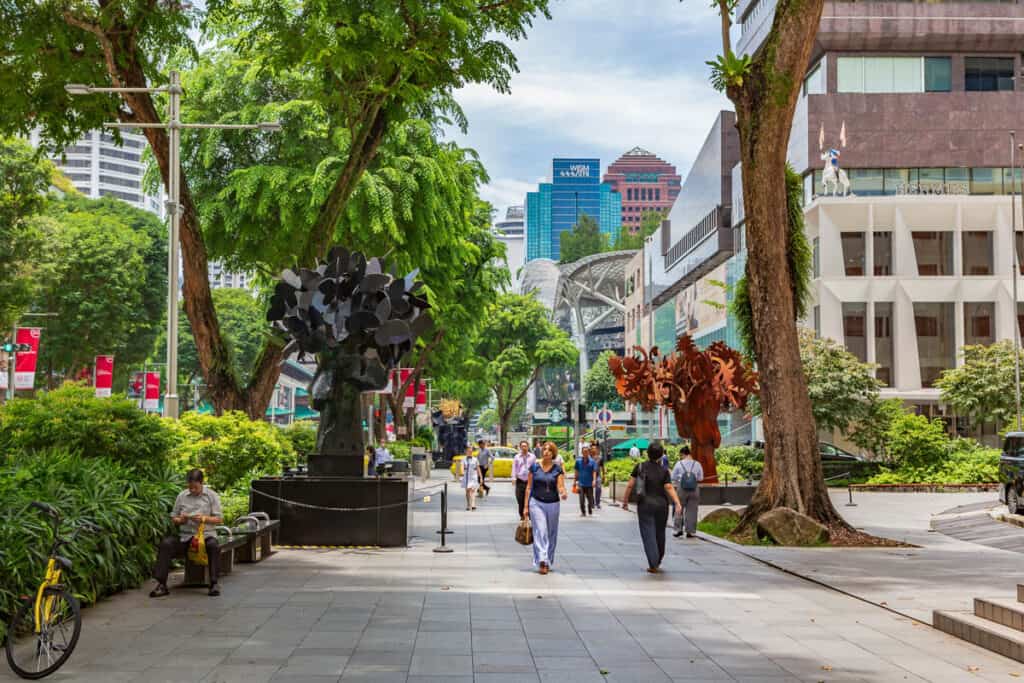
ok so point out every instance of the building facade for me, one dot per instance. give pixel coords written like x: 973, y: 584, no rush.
x: 645, y: 183
x: 222, y: 277
x: 575, y: 189
x: 98, y: 167
x: 512, y: 233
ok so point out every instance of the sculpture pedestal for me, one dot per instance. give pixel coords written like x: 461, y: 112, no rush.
x: 335, y: 465
x: 385, y: 524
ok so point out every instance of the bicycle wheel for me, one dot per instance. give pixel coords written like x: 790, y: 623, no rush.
x: 35, y: 655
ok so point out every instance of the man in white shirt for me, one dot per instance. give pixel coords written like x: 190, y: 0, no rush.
x: 634, y: 452
x: 686, y: 476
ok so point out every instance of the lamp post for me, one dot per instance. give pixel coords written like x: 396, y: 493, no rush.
x: 1015, y: 274
x: 173, y: 127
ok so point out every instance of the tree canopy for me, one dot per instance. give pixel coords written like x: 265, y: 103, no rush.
x: 599, y: 383
x: 585, y: 239
x: 982, y: 389
x: 629, y: 239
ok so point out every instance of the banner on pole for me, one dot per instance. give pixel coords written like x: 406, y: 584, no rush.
x: 137, y: 386
x: 103, y: 378
x: 25, y: 361
x: 151, y: 404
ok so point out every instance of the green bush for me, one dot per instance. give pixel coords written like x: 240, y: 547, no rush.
x: 302, y: 436
x: 914, y: 441
x: 231, y: 449
x: 72, y: 419
x: 741, y: 462
x: 131, y: 505
x: 967, y: 463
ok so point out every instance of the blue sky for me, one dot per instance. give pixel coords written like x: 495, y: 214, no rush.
x: 598, y: 79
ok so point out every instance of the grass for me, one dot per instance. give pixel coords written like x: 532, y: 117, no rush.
x: 726, y: 528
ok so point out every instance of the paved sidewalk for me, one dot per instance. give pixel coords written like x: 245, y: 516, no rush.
x: 481, y: 614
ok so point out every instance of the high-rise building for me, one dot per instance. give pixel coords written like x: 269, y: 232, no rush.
x: 645, y: 182
x: 575, y: 189
x: 98, y: 167
x: 222, y: 277
x: 512, y: 232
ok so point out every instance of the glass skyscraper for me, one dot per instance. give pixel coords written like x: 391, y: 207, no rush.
x: 575, y: 189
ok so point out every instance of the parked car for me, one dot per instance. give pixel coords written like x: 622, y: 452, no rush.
x: 1011, y: 472
x: 831, y: 452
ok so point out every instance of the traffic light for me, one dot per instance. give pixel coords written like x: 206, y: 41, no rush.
x: 11, y: 347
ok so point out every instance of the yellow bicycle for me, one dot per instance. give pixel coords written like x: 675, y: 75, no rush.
x: 45, y: 628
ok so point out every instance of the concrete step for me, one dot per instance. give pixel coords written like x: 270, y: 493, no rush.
x: 1009, y: 613
x: 982, y: 632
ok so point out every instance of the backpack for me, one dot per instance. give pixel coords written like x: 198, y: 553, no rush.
x: 688, y: 482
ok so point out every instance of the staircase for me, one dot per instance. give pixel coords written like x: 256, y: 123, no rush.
x: 996, y: 625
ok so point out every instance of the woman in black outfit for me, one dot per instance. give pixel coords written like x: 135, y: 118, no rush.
x: 652, y: 507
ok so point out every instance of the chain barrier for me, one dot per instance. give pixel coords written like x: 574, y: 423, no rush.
x: 336, y: 509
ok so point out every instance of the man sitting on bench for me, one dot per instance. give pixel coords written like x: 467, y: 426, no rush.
x: 198, y: 503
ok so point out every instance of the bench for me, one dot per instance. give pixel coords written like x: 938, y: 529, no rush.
x: 259, y: 528
x: 197, y: 575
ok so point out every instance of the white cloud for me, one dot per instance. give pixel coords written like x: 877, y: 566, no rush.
x: 504, y: 192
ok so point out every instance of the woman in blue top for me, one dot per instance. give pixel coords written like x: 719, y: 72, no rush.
x: 544, y: 486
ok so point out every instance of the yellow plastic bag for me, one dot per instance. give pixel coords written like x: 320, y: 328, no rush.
x: 197, y: 548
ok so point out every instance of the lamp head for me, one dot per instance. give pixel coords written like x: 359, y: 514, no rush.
x: 269, y: 126
x: 77, y: 89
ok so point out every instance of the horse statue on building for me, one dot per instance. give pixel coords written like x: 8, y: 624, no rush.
x: 833, y: 175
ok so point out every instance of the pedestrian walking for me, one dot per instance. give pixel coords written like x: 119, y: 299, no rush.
x: 544, y: 487
x: 470, y: 473
x: 687, y: 475
x: 586, y: 470
x: 521, y: 464
x: 653, y: 485
x: 601, y: 474
x: 634, y: 451
x: 484, y: 457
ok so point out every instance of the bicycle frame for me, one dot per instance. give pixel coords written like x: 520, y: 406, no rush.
x: 44, y: 605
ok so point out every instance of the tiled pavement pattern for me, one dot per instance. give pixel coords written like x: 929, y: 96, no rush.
x: 482, y: 615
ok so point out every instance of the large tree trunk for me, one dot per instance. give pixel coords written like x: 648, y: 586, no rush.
x: 764, y: 110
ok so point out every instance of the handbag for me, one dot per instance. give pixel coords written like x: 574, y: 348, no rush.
x: 524, y: 532
x: 641, y: 483
x: 197, y: 548
x: 575, y: 487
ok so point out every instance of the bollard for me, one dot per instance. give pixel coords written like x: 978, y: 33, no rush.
x: 443, y: 548
x: 849, y: 489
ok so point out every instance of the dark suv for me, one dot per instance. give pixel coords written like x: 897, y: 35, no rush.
x: 1011, y: 472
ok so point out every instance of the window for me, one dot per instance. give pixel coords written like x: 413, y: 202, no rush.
x: 866, y: 181
x: 883, y: 342
x: 880, y: 74
x: 122, y: 182
x: 119, y: 154
x: 850, y: 74
x: 977, y: 252
x: 657, y: 194
x: 934, y: 251
x: 853, y: 253
x: 74, y: 163
x: 986, y: 180
x: 78, y: 149
x: 854, y: 330
x: 814, y: 83
x: 883, y: 253
x: 938, y: 74
x: 935, y: 339
x: 120, y: 168
x: 988, y: 73
x: 816, y: 256
x: 897, y: 180
x: 979, y: 323
x: 134, y: 198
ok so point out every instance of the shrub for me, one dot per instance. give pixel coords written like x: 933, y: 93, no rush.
x: 231, y: 449
x: 133, y: 511
x: 72, y: 419
x: 741, y: 462
x: 914, y: 441
x: 967, y: 463
x: 302, y: 436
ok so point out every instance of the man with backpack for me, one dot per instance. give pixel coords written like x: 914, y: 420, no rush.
x: 687, y: 476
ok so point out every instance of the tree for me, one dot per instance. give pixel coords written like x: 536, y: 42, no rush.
x: 629, y: 238
x: 584, y: 239
x: 487, y: 420
x: 101, y: 288
x: 872, y: 431
x: 841, y: 388
x: 378, y: 62
x: 982, y: 389
x: 24, y: 183
x: 516, y: 341
x: 599, y: 383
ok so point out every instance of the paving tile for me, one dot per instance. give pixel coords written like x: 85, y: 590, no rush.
x: 314, y: 665
x: 241, y: 674
x: 441, y: 665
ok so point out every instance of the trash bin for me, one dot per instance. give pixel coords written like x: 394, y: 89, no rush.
x: 421, y: 465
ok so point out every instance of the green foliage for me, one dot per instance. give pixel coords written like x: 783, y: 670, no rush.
x: 871, y: 432
x: 585, y: 239
x: 231, y: 449
x: 620, y: 468
x: 916, y: 441
x: 24, y: 182
x: 983, y: 387
x: 800, y: 257
x: 729, y: 70
x: 131, y: 508
x: 72, y: 419
x: 966, y: 463
x: 108, y: 285
x: 488, y: 418
x: 746, y: 462
x: 302, y: 436
x: 599, y: 384
x: 649, y: 222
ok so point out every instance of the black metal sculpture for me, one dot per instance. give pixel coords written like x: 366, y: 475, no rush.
x: 358, y: 321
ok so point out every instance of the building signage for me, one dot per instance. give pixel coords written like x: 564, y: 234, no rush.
x: 933, y: 187
x: 103, y: 380
x: 575, y: 171
x: 25, y: 361
x: 151, y: 400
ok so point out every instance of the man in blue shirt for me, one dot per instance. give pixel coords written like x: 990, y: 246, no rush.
x: 586, y: 466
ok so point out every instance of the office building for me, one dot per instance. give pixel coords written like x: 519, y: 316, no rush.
x: 575, y: 189
x: 98, y: 167
x: 222, y: 277
x: 512, y: 233
x: 645, y: 183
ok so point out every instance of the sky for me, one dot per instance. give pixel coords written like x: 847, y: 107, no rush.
x: 600, y: 78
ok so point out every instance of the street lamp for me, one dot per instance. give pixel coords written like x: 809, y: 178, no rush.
x: 1015, y: 273
x: 174, y: 127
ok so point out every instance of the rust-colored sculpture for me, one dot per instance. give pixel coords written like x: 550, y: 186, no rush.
x: 695, y: 385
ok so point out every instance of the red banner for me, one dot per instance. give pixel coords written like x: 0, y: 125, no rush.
x: 151, y: 402
x: 25, y: 361
x: 103, y: 378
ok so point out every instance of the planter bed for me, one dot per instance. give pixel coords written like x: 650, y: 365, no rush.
x: 927, y: 488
